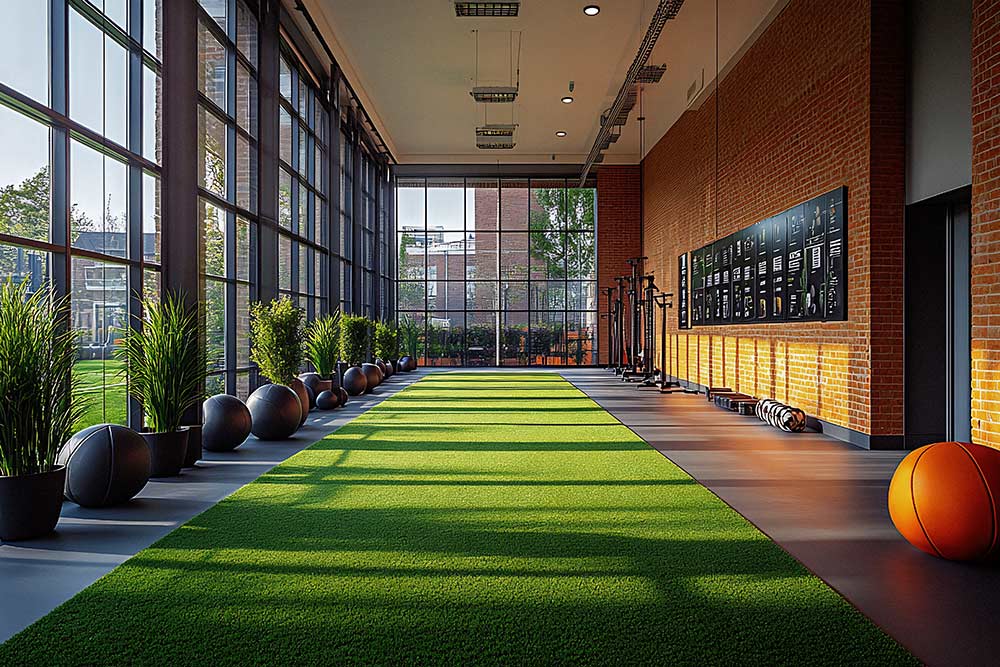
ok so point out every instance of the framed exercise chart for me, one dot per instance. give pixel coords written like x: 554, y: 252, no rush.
x: 787, y: 268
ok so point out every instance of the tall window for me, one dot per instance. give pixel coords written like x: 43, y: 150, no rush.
x: 227, y: 181
x: 304, y: 237
x: 365, y: 220
x: 498, y: 272
x: 79, y: 170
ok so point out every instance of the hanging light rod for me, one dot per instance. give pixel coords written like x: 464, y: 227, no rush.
x: 496, y: 130
x: 494, y: 94
x: 507, y: 9
x: 665, y: 11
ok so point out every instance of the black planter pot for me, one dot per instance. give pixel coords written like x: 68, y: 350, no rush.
x: 30, y: 504
x: 193, y: 450
x: 300, y: 390
x: 338, y: 373
x: 167, y: 451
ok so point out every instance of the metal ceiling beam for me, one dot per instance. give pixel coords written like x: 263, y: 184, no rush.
x: 665, y: 10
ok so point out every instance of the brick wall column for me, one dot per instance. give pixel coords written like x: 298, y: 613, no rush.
x: 619, y: 233
x: 887, y: 159
x: 986, y: 222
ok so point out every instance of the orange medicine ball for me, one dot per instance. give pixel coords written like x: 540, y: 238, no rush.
x: 944, y: 500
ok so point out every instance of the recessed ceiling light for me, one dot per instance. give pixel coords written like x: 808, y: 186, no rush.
x: 591, y: 10
x: 567, y: 100
x: 561, y: 133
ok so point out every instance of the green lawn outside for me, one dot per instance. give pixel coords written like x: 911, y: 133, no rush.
x: 104, y: 390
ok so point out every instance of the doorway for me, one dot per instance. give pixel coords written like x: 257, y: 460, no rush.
x: 937, y: 330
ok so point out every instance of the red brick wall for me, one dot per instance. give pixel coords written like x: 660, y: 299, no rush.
x: 986, y: 222
x: 619, y: 216
x: 816, y: 103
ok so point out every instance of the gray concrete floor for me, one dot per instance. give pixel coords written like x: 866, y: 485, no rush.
x: 38, y: 575
x: 824, y: 502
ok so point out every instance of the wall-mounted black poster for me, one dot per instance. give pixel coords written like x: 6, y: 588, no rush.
x: 761, y: 291
x: 698, y: 287
x: 682, y: 291
x: 744, y: 261
x: 815, y: 277
x: 790, y: 267
x: 710, y: 300
x: 835, y: 303
x: 776, y: 237
x: 795, y: 266
x: 725, y: 288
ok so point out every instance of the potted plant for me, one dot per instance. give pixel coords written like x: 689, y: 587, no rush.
x: 354, y: 339
x: 37, y: 408
x: 323, y: 347
x: 410, y: 334
x: 165, y: 366
x: 276, y: 343
x: 386, y: 344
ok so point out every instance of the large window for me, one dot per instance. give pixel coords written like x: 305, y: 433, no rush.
x: 81, y: 175
x: 227, y: 182
x: 498, y: 272
x: 366, y: 271
x: 304, y: 236
x: 80, y: 170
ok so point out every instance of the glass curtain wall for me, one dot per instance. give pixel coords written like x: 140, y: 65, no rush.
x: 81, y: 111
x: 227, y: 183
x: 80, y: 173
x: 498, y: 272
x: 303, y: 235
x: 364, y: 228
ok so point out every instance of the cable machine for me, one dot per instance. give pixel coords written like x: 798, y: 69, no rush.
x: 618, y: 338
x: 631, y: 368
x: 609, y: 316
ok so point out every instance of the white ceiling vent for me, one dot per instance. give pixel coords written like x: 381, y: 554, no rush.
x: 507, y: 9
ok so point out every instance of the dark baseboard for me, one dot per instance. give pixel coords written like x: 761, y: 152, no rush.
x: 843, y: 433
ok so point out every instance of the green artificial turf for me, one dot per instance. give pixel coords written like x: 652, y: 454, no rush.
x: 472, y: 518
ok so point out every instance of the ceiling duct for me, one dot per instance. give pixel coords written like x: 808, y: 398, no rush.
x: 495, y: 130
x: 652, y: 73
x: 494, y: 94
x: 665, y: 10
x: 507, y: 9
x: 495, y: 143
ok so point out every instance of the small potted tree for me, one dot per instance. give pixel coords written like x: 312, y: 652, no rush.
x: 353, y: 339
x: 276, y: 342
x: 37, y: 408
x: 354, y: 351
x: 387, y: 346
x: 410, y: 333
x: 165, y: 367
x: 323, y: 348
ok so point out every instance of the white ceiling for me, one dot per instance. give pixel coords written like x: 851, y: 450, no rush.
x: 413, y: 63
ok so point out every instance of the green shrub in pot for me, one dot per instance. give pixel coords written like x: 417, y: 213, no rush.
x: 277, y: 337
x: 386, y: 343
x: 354, y: 334
x: 165, y: 366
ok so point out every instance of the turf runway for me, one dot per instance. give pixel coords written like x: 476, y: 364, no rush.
x: 473, y: 518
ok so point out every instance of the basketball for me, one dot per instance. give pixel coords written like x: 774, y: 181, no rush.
x: 942, y: 499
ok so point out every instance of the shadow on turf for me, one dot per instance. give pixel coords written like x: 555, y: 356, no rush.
x: 371, y: 443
